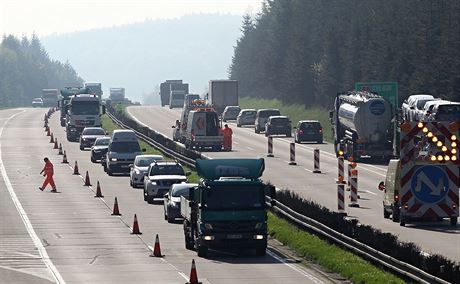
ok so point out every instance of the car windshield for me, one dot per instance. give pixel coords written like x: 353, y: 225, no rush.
x: 37, y: 100
x: 279, y: 121
x: 175, y: 170
x: 88, y: 108
x: 93, y: 131
x: 267, y: 113
x: 124, y: 147
x: 102, y: 142
x: 233, y: 110
x: 230, y: 197
x: 421, y: 103
x: 146, y: 161
x: 249, y: 113
x: 180, y: 191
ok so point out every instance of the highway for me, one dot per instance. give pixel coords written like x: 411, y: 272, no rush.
x: 431, y: 237
x: 71, y: 236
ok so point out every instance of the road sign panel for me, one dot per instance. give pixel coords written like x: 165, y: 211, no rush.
x: 388, y: 90
x: 430, y: 184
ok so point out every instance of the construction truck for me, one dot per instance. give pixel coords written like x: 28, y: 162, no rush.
x: 64, y: 100
x: 50, y: 97
x: 191, y: 102
x: 362, y: 126
x: 203, y: 130
x: 171, y: 85
x: 227, y: 209
x: 423, y: 185
x: 95, y: 88
x: 223, y: 93
x: 84, y: 110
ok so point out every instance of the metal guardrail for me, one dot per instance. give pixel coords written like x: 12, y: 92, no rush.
x: 396, y: 266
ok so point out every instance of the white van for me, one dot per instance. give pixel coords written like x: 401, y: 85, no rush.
x: 390, y: 190
x: 122, y: 150
x: 176, y: 99
x: 203, y: 130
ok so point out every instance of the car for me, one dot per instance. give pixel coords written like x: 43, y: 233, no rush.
x: 261, y: 118
x: 123, y: 149
x: 246, y: 117
x: 446, y: 111
x: 412, y: 108
x: 161, y: 175
x: 308, y: 130
x: 230, y: 113
x: 171, y: 203
x: 428, y: 109
x: 278, y: 125
x: 37, y: 102
x: 139, y: 168
x: 89, y: 135
x: 99, y: 148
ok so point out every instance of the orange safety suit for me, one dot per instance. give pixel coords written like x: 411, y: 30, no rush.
x: 227, y: 131
x: 49, y: 171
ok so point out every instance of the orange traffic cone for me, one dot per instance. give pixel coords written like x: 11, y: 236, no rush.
x: 60, y: 149
x: 193, y: 275
x: 52, y: 138
x: 156, y: 248
x: 48, y: 131
x: 116, y: 212
x: 136, y: 230
x: 87, y: 181
x: 56, y: 146
x: 75, y: 169
x: 98, y: 190
x: 64, y: 158
x: 46, y: 118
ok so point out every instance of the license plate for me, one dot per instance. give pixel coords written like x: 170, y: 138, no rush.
x: 234, y: 236
x: 124, y: 166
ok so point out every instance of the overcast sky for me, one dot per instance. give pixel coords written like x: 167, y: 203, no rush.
x: 46, y: 17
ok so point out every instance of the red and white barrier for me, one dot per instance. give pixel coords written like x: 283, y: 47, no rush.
x: 341, y: 173
x: 354, y: 189
x: 270, y: 146
x: 316, y: 168
x: 292, y: 154
x: 341, y: 198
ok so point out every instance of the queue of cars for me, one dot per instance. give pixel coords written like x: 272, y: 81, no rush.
x: 426, y: 108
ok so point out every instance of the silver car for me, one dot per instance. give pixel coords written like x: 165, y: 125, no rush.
x: 246, y: 117
x: 172, y: 200
x: 138, y: 170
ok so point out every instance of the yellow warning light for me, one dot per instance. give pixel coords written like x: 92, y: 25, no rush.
x: 444, y: 148
x: 340, y: 153
x: 454, y: 158
x: 439, y: 144
x: 447, y: 158
x: 433, y: 158
x: 454, y: 151
x: 429, y: 135
x: 425, y: 130
x: 453, y: 144
x: 420, y: 125
x: 434, y: 139
x: 453, y: 138
x: 440, y: 158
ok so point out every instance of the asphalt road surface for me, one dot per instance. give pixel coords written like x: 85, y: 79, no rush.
x: 431, y: 237
x: 71, y: 237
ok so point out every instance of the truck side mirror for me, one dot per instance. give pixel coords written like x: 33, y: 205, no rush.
x: 381, y: 186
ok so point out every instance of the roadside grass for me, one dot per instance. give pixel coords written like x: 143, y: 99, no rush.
x: 294, y: 112
x: 307, y: 245
x: 327, y: 255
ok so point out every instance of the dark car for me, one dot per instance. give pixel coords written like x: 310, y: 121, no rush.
x: 308, y: 130
x: 99, y: 148
x: 89, y: 135
x: 278, y: 125
x: 172, y: 200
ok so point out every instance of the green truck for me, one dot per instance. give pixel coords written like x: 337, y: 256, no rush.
x: 227, y: 209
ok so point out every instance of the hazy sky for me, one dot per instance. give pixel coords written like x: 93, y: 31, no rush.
x: 46, y: 17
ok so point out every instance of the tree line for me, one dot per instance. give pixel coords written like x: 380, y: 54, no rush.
x: 305, y: 51
x: 26, y: 69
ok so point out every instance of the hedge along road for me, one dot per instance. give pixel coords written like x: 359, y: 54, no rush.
x: 431, y: 237
x: 88, y: 245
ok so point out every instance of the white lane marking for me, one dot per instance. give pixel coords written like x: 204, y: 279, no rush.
x: 182, y: 274
x: 25, y: 219
x: 370, y: 192
x: 293, y: 267
x: 250, y: 149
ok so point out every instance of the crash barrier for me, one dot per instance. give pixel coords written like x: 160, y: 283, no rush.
x: 399, y: 257
x: 340, y: 172
x: 341, y: 198
x: 292, y: 154
x: 270, y: 146
x: 316, y: 168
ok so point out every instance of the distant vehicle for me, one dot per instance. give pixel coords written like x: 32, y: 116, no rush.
x: 123, y: 149
x: 278, y: 125
x: 83, y: 110
x: 246, y: 117
x: 64, y: 100
x: 161, y: 175
x: 446, y: 111
x: 139, y: 168
x: 50, y: 97
x: 413, y: 107
x: 171, y: 85
x: 230, y: 113
x: 95, y: 88
x: 176, y: 99
x: 223, y: 93
x: 189, y: 98
x: 189, y: 105
x: 308, y: 130
x: 89, y: 135
x: 99, y: 148
x: 117, y: 95
x: 262, y: 116
x: 171, y: 203
x: 428, y: 109
x: 203, y: 130
x: 37, y: 102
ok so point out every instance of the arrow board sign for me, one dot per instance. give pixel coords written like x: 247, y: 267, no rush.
x: 430, y: 184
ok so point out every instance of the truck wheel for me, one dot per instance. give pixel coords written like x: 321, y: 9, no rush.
x: 453, y: 221
x: 109, y: 171
x: 395, y: 217
x: 386, y: 214
x: 202, y: 251
x: 256, y: 130
x: 149, y: 199
x: 82, y: 148
x: 261, y: 251
x: 188, y: 239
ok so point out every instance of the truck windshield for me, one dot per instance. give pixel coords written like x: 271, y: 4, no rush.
x: 124, y: 147
x: 232, y: 197
x: 88, y: 108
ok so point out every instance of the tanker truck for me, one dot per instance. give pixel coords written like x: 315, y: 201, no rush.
x: 362, y: 126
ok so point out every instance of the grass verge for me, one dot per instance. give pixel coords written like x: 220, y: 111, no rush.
x: 307, y: 245
x: 294, y: 112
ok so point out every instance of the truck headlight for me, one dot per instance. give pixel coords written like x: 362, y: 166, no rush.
x: 137, y: 172
x: 208, y: 226
x: 208, y: 238
x: 258, y: 237
x: 113, y: 159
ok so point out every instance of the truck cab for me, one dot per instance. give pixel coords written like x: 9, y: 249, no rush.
x: 176, y: 98
x: 84, y: 110
x: 227, y: 209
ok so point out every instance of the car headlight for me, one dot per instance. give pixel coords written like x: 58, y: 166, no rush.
x: 136, y: 171
x: 113, y: 159
x: 152, y: 182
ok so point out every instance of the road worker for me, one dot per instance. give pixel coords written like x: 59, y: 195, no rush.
x: 48, y: 172
x: 227, y: 131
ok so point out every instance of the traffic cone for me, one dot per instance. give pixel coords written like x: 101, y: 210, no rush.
x: 52, y: 138
x: 87, y: 181
x: 136, y: 227
x: 60, y: 149
x: 64, y: 158
x: 98, y: 190
x: 47, y: 128
x: 56, y: 146
x: 115, y: 211
x: 75, y: 169
x: 156, y: 248
x: 46, y: 118
x: 48, y: 132
x: 193, y: 275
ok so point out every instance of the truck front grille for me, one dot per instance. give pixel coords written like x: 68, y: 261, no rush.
x: 233, y: 226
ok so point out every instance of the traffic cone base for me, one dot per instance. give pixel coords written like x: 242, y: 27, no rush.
x: 193, y: 275
x: 115, y: 211
x: 136, y: 230
x: 157, y: 250
x: 87, y: 181
x: 98, y: 190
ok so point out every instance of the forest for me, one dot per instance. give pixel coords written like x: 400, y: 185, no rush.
x: 305, y: 51
x: 26, y: 68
